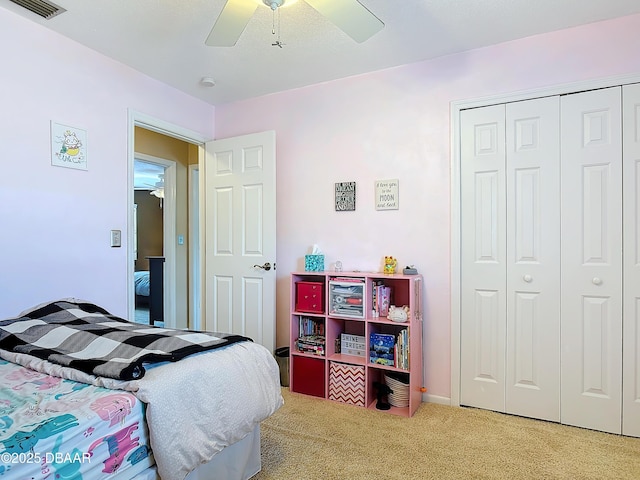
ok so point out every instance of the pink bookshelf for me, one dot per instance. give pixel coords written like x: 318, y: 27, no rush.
x: 349, y: 311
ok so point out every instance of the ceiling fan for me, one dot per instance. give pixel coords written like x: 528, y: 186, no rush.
x: 350, y: 16
x: 158, y: 190
x: 157, y: 187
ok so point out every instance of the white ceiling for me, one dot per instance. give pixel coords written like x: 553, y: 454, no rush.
x: 165, y: 38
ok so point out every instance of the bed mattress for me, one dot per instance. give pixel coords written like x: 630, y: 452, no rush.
x: 53, y: 428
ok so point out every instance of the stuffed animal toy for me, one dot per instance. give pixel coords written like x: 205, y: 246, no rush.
x: 398, y: 314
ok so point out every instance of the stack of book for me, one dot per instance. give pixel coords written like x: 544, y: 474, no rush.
x: 311, y: 344
x: 311, y: 337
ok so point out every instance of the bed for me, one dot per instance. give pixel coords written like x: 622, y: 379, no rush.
x: 142, y: 287
x: 155, y: 403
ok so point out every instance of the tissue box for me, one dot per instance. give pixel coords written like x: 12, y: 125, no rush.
x: 314, y: 263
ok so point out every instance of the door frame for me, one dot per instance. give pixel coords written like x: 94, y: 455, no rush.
x: 139, y: 119
x: 455, y: 108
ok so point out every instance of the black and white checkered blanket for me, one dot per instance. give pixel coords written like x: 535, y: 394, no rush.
x: 86, y: 337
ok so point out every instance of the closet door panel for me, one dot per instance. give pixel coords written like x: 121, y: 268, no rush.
x: 533, y: 258
x: 483, y: 301
x: 591, y: 250
x: 631, y: 327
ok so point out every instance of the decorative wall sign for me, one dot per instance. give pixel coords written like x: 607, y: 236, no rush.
x: 345, y: 196
x: 387, y: 194
x: 68, y: 146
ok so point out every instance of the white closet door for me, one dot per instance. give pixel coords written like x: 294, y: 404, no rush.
x: 533, y: 258
x: 483, y: 245
x: 631, y: 295
x: 591, y: 331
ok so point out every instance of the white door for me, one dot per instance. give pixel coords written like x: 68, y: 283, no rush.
x: 510, y: 312
x: 240, y: 240
x: 591, y: 332
x: 483, y: 264
x: 533, y: 258
x: 631, y: 295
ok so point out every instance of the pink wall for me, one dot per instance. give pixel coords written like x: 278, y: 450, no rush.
x: 55, y: 221
x: 395, y: 124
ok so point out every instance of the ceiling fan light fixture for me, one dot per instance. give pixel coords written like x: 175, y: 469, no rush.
x: 350, y: 16
x: 273, y: 4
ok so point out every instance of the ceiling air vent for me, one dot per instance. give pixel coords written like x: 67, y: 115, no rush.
x: 45, y: 9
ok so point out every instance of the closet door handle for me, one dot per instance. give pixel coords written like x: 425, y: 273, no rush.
x: 527, y: 278
x: 597, y: 281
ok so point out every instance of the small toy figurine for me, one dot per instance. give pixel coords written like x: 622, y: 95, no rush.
x: 390, y: 265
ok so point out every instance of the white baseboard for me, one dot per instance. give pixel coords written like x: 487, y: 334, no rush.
x: 436, y: 399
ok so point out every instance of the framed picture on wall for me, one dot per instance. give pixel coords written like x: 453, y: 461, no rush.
x: 345, y: 196
x: 68, y: 146
x: 387, y: 194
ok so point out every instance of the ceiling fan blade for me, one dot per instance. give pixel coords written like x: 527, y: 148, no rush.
x: 350, y: 16
x: 231, y: 23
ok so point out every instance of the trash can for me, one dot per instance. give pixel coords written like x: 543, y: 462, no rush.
x: 282, y: 357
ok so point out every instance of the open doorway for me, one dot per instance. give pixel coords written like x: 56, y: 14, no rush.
x: 153, y: 182
x: 195, y: 315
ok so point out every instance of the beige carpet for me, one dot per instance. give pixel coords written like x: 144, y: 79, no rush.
x: 312, y: 438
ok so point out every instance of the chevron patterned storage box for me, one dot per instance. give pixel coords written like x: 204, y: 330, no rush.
x: 346, y: 383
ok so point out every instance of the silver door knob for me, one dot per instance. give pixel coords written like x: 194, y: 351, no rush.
x: 266, y: 266
x: 597, y: 281
x: 527, y: 278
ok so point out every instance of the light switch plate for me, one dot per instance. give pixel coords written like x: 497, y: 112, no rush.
x: 116, y: 238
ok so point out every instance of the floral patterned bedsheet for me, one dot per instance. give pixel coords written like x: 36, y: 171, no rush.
x: 57, y: 429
